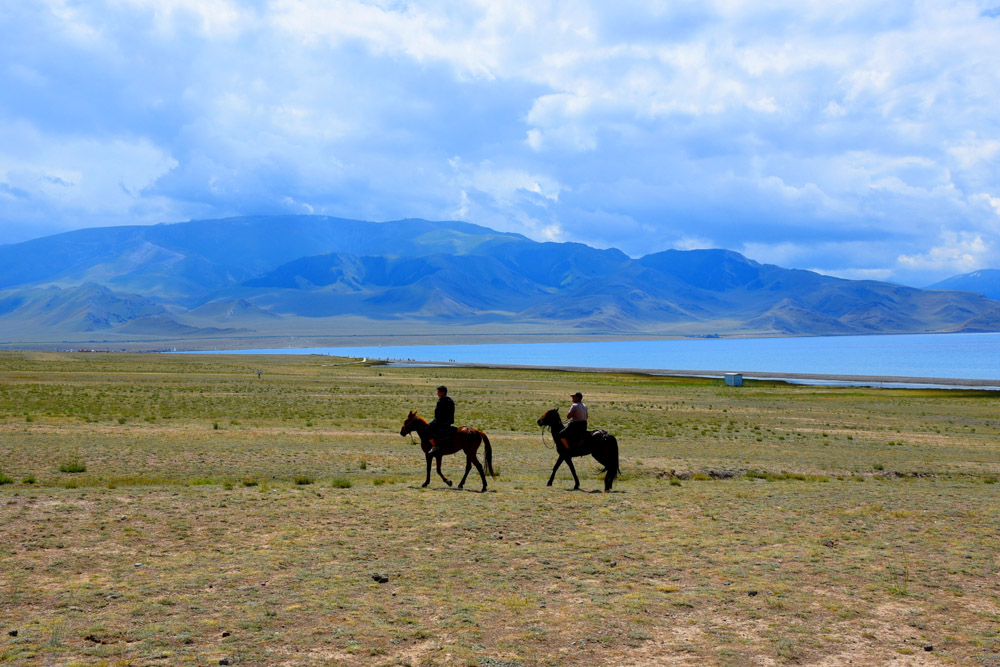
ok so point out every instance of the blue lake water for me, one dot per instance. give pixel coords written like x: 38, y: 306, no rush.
x: 959, y: 356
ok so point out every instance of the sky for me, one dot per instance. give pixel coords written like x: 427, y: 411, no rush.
x: 856, y: 138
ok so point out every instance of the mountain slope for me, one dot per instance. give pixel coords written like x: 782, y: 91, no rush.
x: 289, y: 274
x: 88, y: 307
x: 984, y: 281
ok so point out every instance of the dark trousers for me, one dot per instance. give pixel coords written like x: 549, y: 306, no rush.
x: 439, y: 432
x: 574, y: 431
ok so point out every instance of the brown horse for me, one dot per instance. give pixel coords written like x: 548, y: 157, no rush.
x: 465, y: 439
x: 600, y: 444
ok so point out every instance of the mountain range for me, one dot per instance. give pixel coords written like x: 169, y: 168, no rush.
x: 984, y: 281
x: 315, y: 276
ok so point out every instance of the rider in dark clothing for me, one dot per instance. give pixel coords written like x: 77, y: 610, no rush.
x: 444, y: 416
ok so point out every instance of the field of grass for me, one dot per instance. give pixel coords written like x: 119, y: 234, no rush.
x: 175, y: 509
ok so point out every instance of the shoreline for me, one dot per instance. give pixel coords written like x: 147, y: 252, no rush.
x: 795, y: 378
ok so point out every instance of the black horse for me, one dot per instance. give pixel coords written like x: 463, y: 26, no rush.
x: 465, y: 440
x: 600, y: 444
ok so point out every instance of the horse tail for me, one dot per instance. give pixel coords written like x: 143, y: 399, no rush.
x: 611, y: 461
x: 488, y: 454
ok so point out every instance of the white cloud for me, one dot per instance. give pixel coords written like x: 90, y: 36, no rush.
x: 81, y: 175
x: 957, y: 253
x: 505, y: 185
x: 974, y: 151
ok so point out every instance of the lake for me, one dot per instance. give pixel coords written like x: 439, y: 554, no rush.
x: 957, y: 356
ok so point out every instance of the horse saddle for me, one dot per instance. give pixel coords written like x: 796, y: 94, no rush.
x: 582, y: 438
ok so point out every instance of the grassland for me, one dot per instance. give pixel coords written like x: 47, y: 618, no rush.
x: 172, y: 510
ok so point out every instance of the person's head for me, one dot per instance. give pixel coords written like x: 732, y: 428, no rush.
x: 442, y: 391
x: 577, y: 397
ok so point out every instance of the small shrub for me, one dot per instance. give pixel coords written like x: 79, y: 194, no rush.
x: 990, y: 480
x: 364, y: 465
x: 122, y: 420
x: 249, y: 481
x: 302, y: 480
x: 5, y: 479
x: 341, y: 483
x: 878, y: 466
x: 73, y: 467
x: 674, y: 481
x: 30, y: 479
x: 309, y: 423
x: 29, y: 418
x: 215, y: 425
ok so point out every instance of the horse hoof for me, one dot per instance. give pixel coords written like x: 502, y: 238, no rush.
x: 461, y: 486
x: 449, y: 483
x: 548, y: 484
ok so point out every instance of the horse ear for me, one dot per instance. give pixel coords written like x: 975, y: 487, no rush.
x: 409, y: 416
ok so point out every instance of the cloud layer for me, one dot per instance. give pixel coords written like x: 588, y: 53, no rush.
x: 859, y: 139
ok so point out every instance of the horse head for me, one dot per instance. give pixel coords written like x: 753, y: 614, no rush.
x: 407, y: 424
x: 412, y: 423
x: 550, y: 419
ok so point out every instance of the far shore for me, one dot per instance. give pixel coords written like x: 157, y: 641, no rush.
x: 810, y: 378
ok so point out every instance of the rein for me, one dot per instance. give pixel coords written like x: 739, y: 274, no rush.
x: 562, y: 424
x: 413, y: 430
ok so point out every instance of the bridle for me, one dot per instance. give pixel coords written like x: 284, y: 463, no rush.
x: 562, y: 425
x: 410, y: 424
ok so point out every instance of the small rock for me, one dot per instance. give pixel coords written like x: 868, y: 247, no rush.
x: 226, y: 634
x: 829, y: 543
x: 614, y: 563
x: 138, y: 564
x: 928, y: 647
x: 224, y: 661
x: 497, y: 536
x: 381, y: 578
x: 12, y: 633
x: 751, y: 593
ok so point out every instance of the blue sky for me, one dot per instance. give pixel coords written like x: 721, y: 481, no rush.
x: 856, y: 138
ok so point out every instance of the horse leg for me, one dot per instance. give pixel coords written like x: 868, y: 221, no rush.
x: 482, y: 473
x: 446, y: 480
x: 468, y: 467
x: 576, y: 479
x: 556, y: 467
x: 428, y: 480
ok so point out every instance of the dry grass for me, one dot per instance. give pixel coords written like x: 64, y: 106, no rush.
x: 855, y: 525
